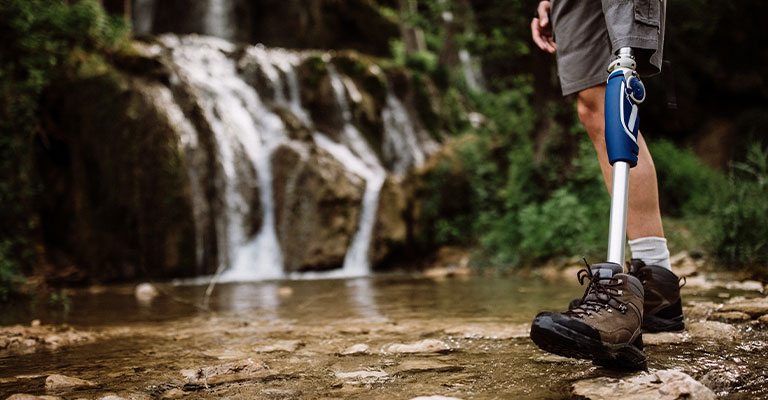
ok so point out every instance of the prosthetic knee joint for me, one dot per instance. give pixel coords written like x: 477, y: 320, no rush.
x: 623, y: 93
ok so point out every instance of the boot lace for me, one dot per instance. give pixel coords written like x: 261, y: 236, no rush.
x: 599, y: 295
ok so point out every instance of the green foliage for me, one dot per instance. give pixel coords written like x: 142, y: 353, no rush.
x: 686, y: 185
x: 741, y: 213
x: 42, y: 40
x: 9, y: 274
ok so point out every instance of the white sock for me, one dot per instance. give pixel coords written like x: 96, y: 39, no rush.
x: 652, y: 250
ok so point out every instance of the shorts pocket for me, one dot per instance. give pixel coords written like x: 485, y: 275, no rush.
x: 648, y: 12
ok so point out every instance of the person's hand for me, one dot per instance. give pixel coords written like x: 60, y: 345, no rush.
x: 541, y: 29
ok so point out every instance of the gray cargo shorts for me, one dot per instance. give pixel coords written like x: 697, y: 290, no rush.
x: 588, y: 32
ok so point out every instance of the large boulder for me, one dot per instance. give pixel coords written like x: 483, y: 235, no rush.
x: 317, y: 207
x: 116, y: 202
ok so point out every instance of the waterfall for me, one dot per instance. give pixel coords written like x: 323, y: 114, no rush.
x: 245, y: 132
x: 362, y: 160
x: 243, y: 128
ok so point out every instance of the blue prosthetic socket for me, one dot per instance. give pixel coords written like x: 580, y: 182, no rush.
x: 622, y: 95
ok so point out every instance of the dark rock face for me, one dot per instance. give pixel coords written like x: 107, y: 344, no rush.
x: 115, y: 202
x: 316, y: 24
x: 317, y: 206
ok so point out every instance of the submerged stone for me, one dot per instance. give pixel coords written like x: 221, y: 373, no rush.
x: 24, y: 396
x: 359, y: 348
x: 424, y: 346
x: 754, y: 307
x: 661, y: 385
x: 232, y: 372
x: 57, y: 382
x: 712, y: 330
x: 425, y: 365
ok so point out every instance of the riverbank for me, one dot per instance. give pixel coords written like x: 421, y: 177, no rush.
x: 397, y: 336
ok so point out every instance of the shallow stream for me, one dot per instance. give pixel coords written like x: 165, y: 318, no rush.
x: 299, y: 330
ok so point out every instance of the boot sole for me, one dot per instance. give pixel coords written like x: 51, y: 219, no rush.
x: 555, y: 338
x: 655, y: 324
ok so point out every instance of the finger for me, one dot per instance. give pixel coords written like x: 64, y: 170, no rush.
x: 537, y: 38
x: 543, y: 14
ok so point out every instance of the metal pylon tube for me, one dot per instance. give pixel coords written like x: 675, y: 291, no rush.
x: 617, y: 230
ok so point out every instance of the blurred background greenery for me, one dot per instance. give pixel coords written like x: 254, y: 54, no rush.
x: 532, y: 183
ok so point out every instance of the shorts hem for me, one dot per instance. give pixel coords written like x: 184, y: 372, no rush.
x: 581, y: 84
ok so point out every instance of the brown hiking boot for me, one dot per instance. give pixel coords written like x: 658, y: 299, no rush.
x: 662, y: 309
x: 605, y: 327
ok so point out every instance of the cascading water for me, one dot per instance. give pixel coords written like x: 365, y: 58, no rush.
x: 245, y: 130
x: 367, y: 165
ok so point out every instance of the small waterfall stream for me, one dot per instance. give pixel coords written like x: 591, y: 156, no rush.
x: 246, y: 130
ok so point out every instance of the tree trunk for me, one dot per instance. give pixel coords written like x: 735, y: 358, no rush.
x: 413, y: 37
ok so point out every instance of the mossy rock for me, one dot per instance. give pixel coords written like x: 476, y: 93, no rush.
x: 115, y: 199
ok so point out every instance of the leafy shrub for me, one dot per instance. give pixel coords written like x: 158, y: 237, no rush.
x: 741, y: 213
x: 686, y: 185
x: 42, y: 41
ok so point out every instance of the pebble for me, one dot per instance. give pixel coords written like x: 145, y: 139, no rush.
x: 285, y: 291
x: 730, y: 316
x: 665, y: 338
x: 231, y: 372
x: 35, y: 323
x: 145, y: 292
x: 435, y: 397
x: 359, y: 348
x: 713, y: 330
x: 662, y: 385
x: 754, y: 286
x: 417, y: 366
x: 23, y: 396
x: 174, y: 393
x: 763, y: 319
x: 281, y: 345
x: 754, y: 307
x: 424, y: 346
x: 495, y: 331
x: 363, y: 377
x: 57, y: 382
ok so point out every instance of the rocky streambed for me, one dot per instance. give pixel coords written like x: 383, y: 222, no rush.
x: 384, y: 337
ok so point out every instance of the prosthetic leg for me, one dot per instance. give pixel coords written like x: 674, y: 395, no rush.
x: 622, y: 95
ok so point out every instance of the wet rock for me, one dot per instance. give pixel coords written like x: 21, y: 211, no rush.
x: 754, y: 286
x: 699, y: 282
x: 23, y: 396
x: 231, y: 372
x: 174, y: 393
x: 662, y: 385
x: 496, y: 331
x: 363, y: 377
x: 730, y: 316
x: 285, y: 291
x: 683, y: 265
x: 554, y: 358
x: 754, y: 307
x: 145, y: 292
x: 763, y: 319
x: 699, y: 310
x: 425, y: 365
x: 712, y: 330
x: 665, y: 338
x: 35, y: 323
x: 57, y: 382
x: 281, y: 345
x: 317, y: 207
x: 359, y: 348
x: 112, y: 397
x: 435, y: 397
x: 424, y: 346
